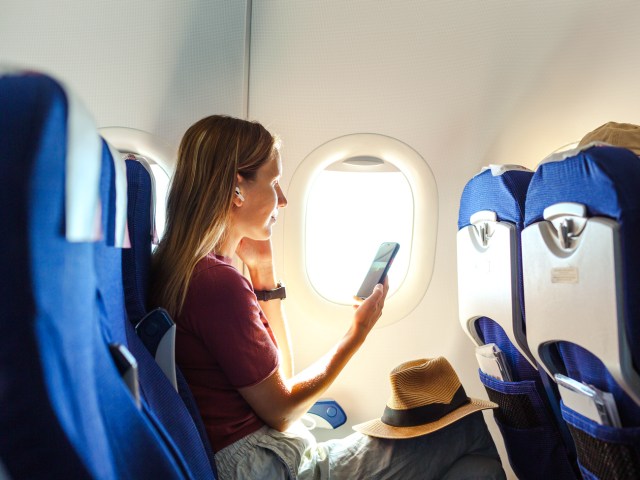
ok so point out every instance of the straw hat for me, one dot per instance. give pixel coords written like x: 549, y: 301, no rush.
x: 426, y: 395
x: 624, y: 135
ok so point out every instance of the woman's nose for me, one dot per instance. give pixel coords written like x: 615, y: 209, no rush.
x: 282, y: 200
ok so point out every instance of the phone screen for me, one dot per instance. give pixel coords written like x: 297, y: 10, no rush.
x: 379, y: 268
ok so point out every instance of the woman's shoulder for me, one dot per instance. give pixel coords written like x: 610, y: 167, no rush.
x: 218, y: 270
x: 216, y: 284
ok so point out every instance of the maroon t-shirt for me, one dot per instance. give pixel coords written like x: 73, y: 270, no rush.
x: 224, y: 343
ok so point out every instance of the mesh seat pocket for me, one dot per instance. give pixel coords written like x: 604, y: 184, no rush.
x: 531, y: 436
x: 604, y: 452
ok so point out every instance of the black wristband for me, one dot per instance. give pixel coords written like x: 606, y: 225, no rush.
x: 277, y: 293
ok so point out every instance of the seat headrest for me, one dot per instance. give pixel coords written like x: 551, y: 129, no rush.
x: 83, y: 154
x: 603, y: 178
x: 502, y: 190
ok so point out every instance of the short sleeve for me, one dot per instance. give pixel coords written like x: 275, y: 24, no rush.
x: 223, y: 311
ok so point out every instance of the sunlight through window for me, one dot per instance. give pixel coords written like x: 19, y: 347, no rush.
x: 352, y: 208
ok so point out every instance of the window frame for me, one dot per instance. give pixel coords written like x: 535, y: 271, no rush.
x: 425, y: 225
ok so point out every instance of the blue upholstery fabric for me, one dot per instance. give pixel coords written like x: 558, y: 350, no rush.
x: 177, y: 413
x: 605, y: 180
x: 49, y: 413
x: 536, y: 440
x: 68, y: 414
x: 137, y: 259
x: 504, y: 194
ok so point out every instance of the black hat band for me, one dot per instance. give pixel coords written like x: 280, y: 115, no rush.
x: 425, y: 414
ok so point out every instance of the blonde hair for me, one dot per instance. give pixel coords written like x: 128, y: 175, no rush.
x: 212, y: 152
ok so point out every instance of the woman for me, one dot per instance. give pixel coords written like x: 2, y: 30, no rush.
x: 234, y: 349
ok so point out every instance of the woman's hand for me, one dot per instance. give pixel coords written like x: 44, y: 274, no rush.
x: 369, y: 310
x: 257, y: 255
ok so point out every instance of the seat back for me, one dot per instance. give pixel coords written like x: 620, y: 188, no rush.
x: 580, y: 262
x: 489, y: 224
x: 49, y: 409
x: 491, y: 310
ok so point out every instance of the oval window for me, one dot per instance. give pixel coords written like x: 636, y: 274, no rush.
x: 346, y: 198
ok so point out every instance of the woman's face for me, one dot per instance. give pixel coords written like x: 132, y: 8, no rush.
x: 258, y: 212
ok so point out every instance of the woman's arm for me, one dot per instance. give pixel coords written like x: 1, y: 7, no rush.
x: 274, y: 311
x: 279, y: 401
x: 257, y: 256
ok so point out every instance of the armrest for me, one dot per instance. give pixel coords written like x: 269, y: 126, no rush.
x: 326, y: 414
x: 158, y: 333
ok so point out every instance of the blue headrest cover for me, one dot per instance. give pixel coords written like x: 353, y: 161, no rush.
x: 503, y: 194
x: 604, y: 179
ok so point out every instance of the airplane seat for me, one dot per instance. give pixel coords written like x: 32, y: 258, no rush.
x: 42, y: 382
x: 135, y: 274
x: 141, y: 447
x: 152, y: 326
x: 66, y: 409
x: 492, y: 311
x: 158, y: 397
x: 580, y: 262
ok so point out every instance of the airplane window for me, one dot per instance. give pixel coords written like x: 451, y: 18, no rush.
x: 354, y: 205
x: 157, y: 155
x: 345, y: 198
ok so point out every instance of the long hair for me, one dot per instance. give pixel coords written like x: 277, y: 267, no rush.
x: 212, y: 152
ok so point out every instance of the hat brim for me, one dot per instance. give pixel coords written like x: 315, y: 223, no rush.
x: 375, y: 428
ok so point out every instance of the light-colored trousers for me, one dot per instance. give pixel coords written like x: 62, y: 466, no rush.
x: 464, y: 450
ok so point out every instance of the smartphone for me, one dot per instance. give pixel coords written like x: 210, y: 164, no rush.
x: 379, y: 268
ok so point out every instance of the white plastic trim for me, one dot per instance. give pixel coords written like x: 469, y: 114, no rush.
x: 488, y: 276
x: 145, y: 144
x: 498, y: 169
x: 561, y: 155
x: 577, y: 296
x: 121, y: 235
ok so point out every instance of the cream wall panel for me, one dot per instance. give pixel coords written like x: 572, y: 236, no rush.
x: 153, y: 65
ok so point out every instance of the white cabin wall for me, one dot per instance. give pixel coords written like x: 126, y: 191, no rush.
x: 153, y: 65
x: 464, y: 83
